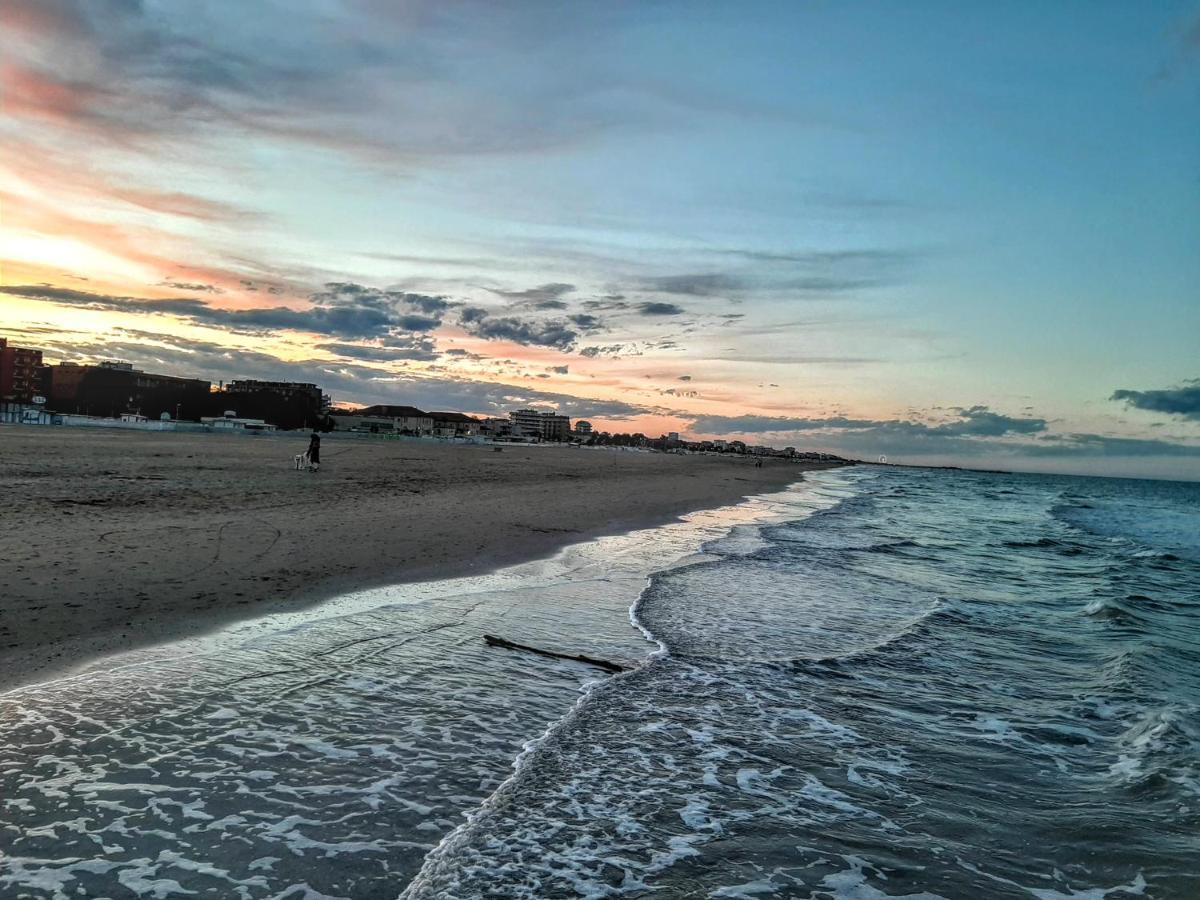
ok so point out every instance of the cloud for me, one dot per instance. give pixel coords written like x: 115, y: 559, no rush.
x: 479, y: 322
x: 1183, y: 401
x: 606, y: 350
x: 974, y: 432
x: 349, y: 292
x: 775, y: 424
x: 544, y: 296
x: 1092, y: 445
x: 559, y: 370
x: 685, y: 377
x: 611, y: 303
x: 417, y: 348
x: 816, y: 272
x: 828, y: 258
x: 192, y: 286
x: 817, y: 284
x: 659, y: 309
x: 975, y: 421
x: 348, y: 382
x: 703, y: 285
x: 383, y: 81
x: 343, y: 310
x: 979, y: 421
x: 586, y: 321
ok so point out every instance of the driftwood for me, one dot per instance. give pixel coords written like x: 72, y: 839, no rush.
x: 604, y: 664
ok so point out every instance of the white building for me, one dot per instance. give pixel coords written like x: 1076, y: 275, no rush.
x: 526, y: 423
x: 385, y: 419
x: 545, y: 426
x: 231, y: 423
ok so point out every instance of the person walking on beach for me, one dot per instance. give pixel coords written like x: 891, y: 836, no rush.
x: 314, y: 452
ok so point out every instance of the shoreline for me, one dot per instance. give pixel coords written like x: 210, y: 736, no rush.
x: 150, y: 562
x: 381, y: 721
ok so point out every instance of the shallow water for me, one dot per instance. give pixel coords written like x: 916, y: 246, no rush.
x: 946, y: 685
x: 879, y: 683
x: 321, y: 753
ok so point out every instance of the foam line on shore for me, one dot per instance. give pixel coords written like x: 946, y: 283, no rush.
x: 769, y: 511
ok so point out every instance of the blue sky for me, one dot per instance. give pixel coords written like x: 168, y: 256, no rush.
x: 772, y: 218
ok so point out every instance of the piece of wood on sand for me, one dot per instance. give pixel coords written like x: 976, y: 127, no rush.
x: 604, y: 664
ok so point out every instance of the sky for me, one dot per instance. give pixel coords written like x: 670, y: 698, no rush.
x: 946, y: 233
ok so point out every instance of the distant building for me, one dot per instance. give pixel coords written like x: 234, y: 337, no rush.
x: 673, y: 436
x: 556, y: 427
x: 282, y: 388
x: 496, y: 427
x: 454, y: 424
x: 20, y: 373
x: 526, y: 423
x: 545, y: 426
x: 583, y: 427
x: 385, y: 419
x: 288, y: 404
x: 112, y: 389
x: 231, y: 422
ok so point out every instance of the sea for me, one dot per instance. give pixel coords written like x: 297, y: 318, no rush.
x: 878, y: 683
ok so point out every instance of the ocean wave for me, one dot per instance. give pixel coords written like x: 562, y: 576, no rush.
x: 832, y: 690
x: 1168, y: 527
x: 918, y: 691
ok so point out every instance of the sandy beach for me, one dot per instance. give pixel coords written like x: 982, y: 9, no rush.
x: 113, y: 540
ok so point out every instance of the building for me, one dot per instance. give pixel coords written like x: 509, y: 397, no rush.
x: 545, y: 426
x: 230, y: 422
x: 556, y: 427
x: 112, y: 389
x: 454, y: 424
x: 347, y: 420
x: 20, y: 373
x: 385, y: 419
x: 286, y: 389
x: 583, y: 427
x: 496, y: 427
x: 526, y: 423
x: 288, y: 404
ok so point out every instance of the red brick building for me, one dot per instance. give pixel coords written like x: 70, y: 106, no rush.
x: 19, y: 373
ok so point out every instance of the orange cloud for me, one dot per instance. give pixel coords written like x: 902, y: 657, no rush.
x: 33, y: 94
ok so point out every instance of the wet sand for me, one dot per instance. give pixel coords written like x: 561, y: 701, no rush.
x: 111, y: 540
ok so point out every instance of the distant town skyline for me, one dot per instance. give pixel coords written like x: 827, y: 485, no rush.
x: 942, y: 233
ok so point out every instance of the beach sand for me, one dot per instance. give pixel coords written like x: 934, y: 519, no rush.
x: 112, y: 540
